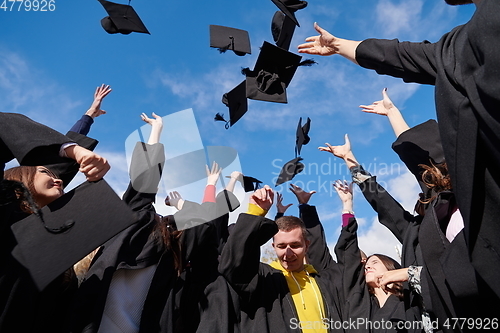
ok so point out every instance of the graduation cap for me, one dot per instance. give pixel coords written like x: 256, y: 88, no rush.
x: 289, y: 170
x: 282, y: 29
x: 289, y: 7
x: 236, y: 101
x: 226, y: 38
x: 273, y: 71
x: 302, y: 135
x: 122, y: 19
x: 69, y: 228
x: 250, y: 184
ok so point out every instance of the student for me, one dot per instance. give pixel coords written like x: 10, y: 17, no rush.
x: 25, y: 190
x: 463, y: 65
x: 365, y: 299
x: 434, y: 239
x: 286, y: 296
x: 136, y: 280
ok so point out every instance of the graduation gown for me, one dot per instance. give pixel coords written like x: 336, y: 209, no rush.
x: 171, y: 303
x: 22, y: 307
x: 266, y: 304
x: 449, y: 284
x: 356, y: 301
x: 464, y: 65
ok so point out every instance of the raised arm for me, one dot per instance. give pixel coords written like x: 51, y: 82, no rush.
x: 390, y: 212
x: 240, y: 259
x: 82, y: 126
x: 344, y: 152
x: 146, y: 167
x: 280, y: 208
x: 385, y: 107
x: 326, y: 44
x: 156, y: 127
x: 318, y: 253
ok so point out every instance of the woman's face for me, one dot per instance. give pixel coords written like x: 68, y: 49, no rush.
x: 374, y: 267
x: 47, y: 186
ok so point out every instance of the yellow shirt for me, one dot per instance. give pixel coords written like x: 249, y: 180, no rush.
x: 306, y: 297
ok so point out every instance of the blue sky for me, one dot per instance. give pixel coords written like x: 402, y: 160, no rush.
x: 51, y: 62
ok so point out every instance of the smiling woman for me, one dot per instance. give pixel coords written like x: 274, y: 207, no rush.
x: 42, y: 183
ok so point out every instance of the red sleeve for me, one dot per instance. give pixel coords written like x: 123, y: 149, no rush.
x: 209, y: 195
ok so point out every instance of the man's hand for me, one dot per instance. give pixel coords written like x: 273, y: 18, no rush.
x: 263, y: 198
x: 279, y: 204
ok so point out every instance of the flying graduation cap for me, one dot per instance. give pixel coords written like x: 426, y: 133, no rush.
x: 289, y: 170
x: 226, y: 38
x: 282, y: 29
x: 302, y: 135
x: 273, y: 71
x: 250, y: 184
x: 122, y: 19
x: 289, y: 7
x: 236, y: 101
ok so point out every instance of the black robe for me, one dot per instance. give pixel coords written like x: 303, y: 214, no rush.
x: 358, y: 306
x: 171, y: 304
x: 449, y: 284
x: 22, y: 307
x: 266, y: 304
x: 464, y: 65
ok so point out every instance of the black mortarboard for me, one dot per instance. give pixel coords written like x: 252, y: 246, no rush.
x: 236, y: 101
x: 282, y: 28
x: 250, y: 184
x: 420, y: 144
x: 289, y: 7
x: 122, y: 19
x: 272, y: 73
x: 65, y: 231
x: 226, y: 38
x: 289, y: 170
x: 302, y: 135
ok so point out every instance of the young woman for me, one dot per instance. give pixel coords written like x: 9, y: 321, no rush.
x: 366, y: 300
x: 26, y: 189
x: 148, y: 277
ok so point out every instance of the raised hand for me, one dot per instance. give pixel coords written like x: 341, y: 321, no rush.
x: 324, y: 44
x: 174, y: 199
x: 156, y: 127
x: 263, y: 198
x: 344, y: 190
x: 279, y: 204
x: 302, y: 196
x: 342, y: 151
x: 383, y: 107
x: 213, y: 174
x: 95, y: 108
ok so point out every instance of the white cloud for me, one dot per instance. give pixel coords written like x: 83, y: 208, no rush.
x: 27, y: 90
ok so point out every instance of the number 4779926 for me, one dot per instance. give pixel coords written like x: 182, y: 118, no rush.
x: 28, y: 5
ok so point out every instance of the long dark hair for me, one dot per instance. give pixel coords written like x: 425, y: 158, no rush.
x: 166, y: 232
x: 24, y: 175
x: 390, y: 264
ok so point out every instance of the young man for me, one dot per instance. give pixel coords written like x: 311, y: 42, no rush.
x: 288, y: 295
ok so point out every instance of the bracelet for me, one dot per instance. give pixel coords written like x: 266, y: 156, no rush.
x: 348, y: 212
